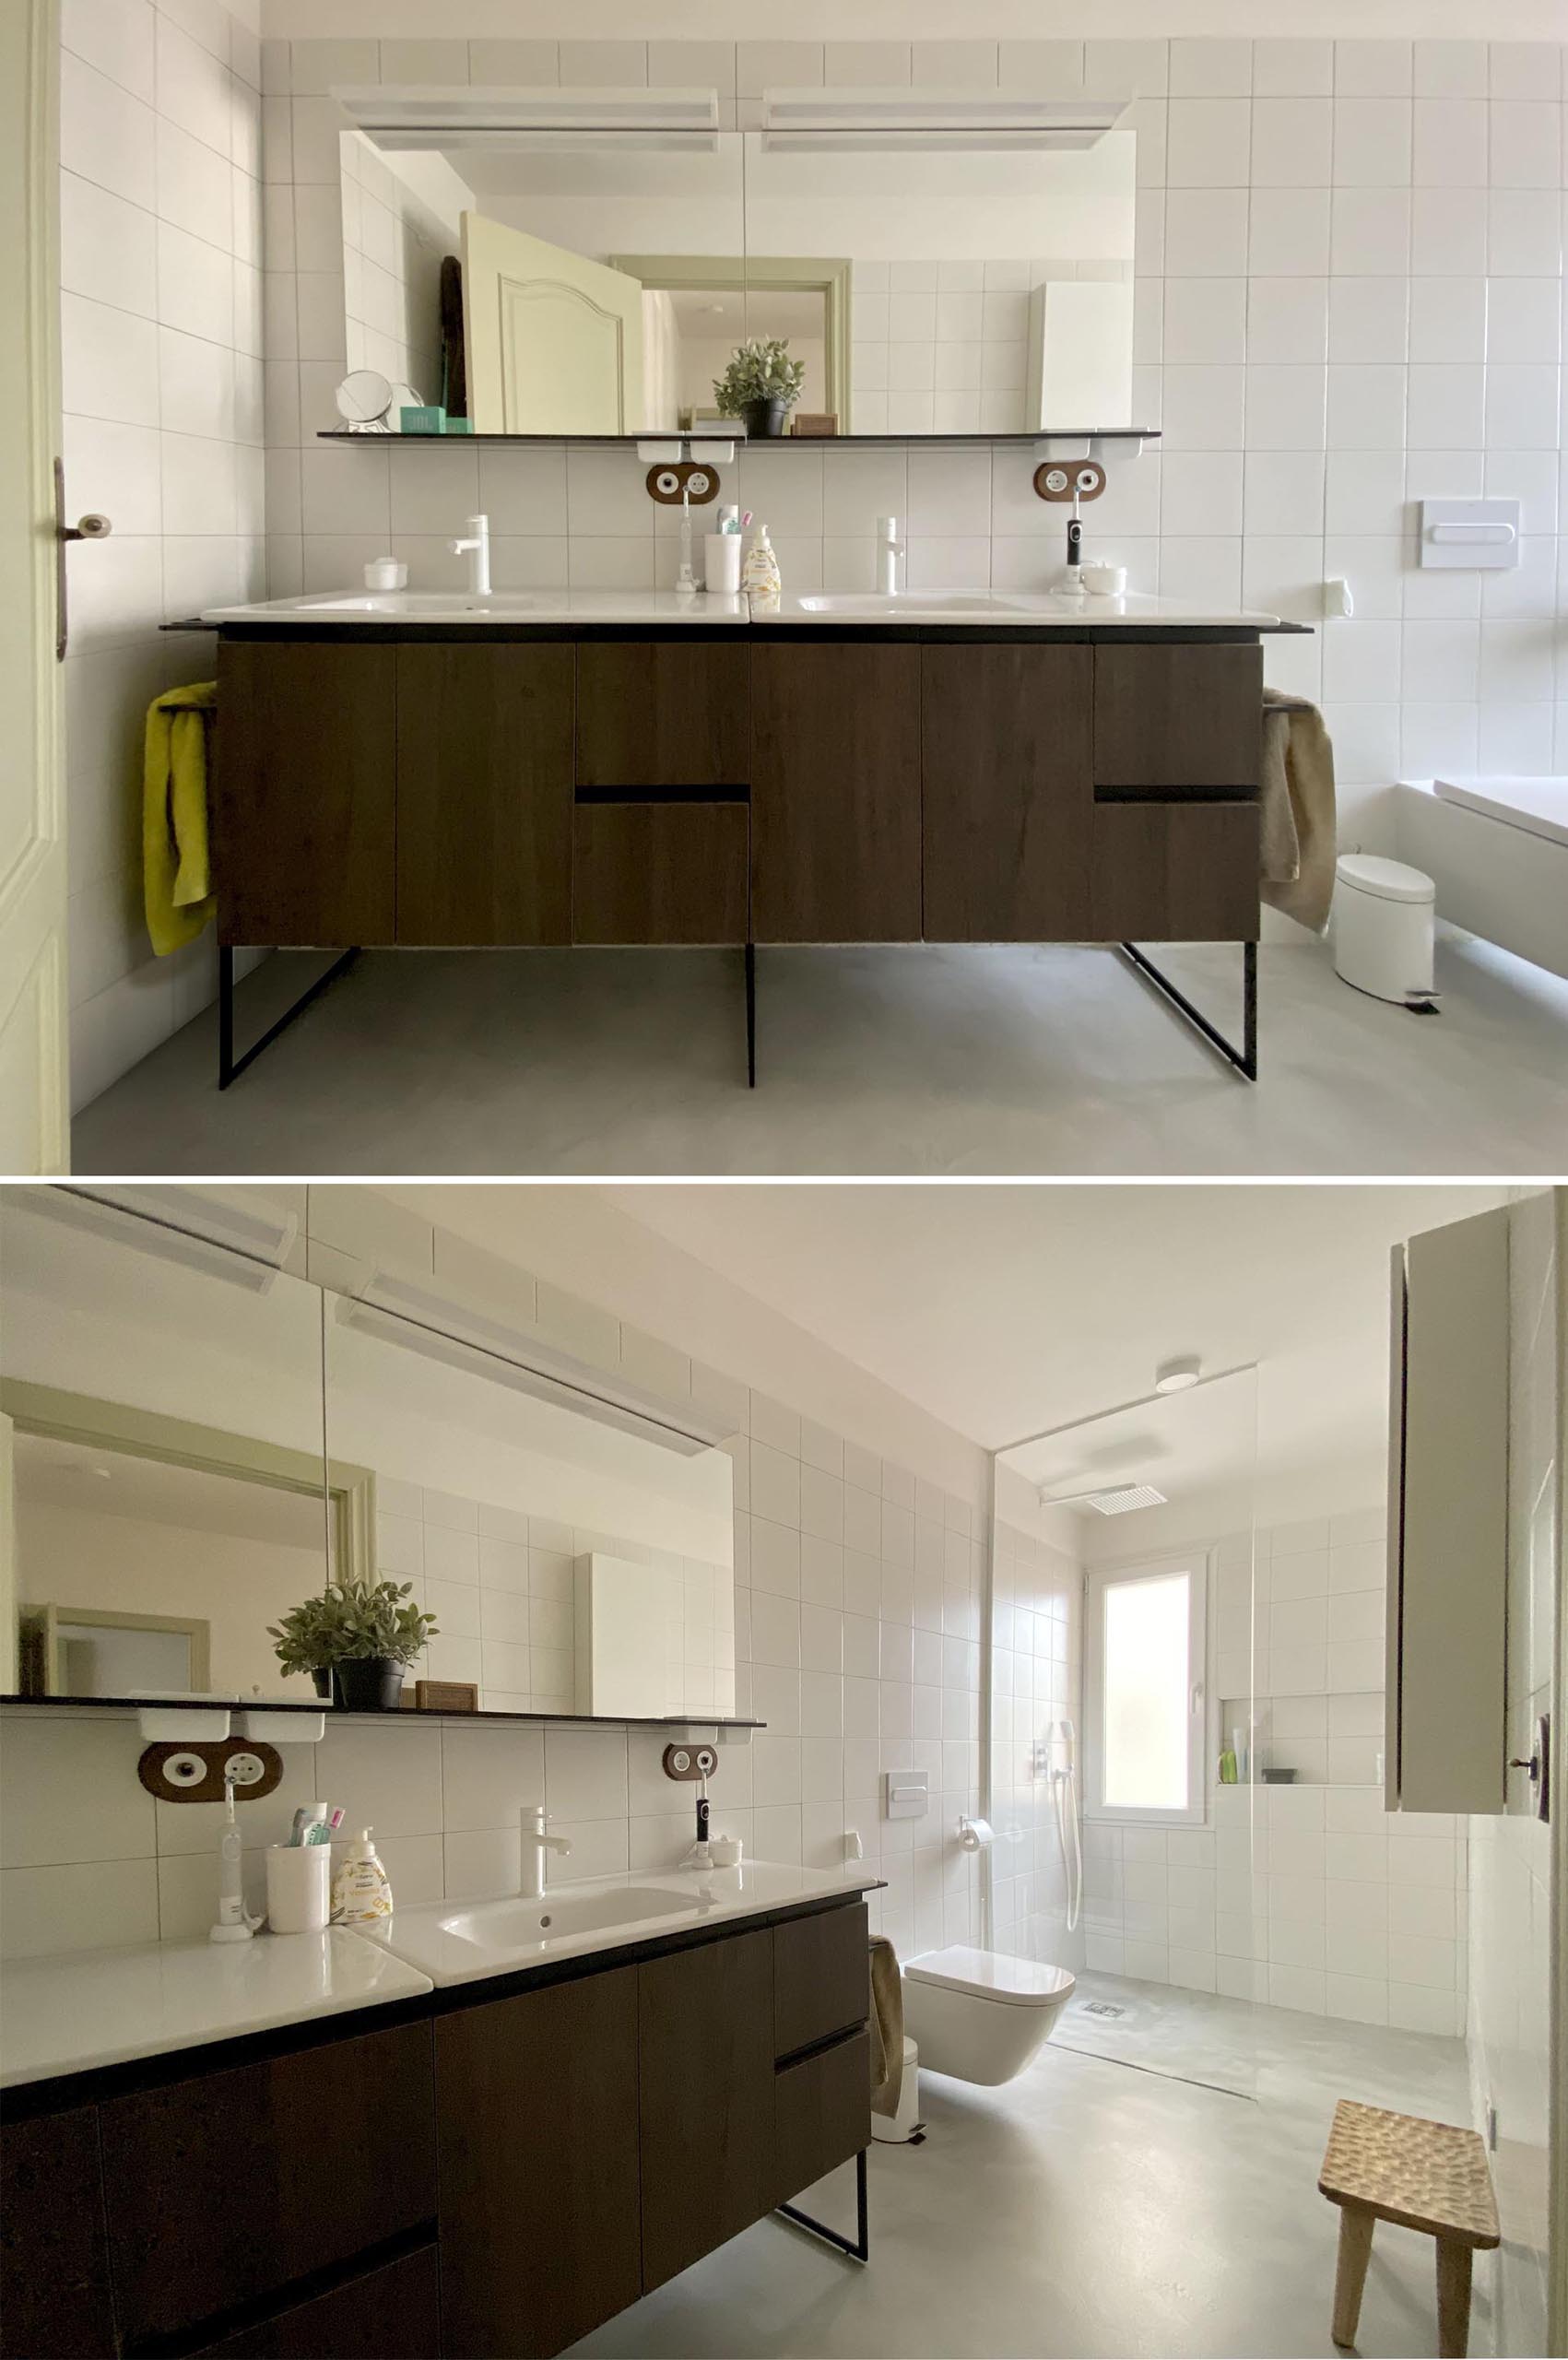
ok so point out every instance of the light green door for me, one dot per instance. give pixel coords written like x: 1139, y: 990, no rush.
x: 554, y: 342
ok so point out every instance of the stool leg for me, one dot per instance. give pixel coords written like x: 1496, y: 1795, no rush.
x: 1452, y: 2299
x: 1355, y: 2252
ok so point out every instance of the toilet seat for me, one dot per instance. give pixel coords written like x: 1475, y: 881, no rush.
x: 992, y: 1975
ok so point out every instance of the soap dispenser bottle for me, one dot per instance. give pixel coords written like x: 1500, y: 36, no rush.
x: 759, y: 576
x: 360, y: 1893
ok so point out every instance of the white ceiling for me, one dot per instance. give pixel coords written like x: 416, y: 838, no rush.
x: 1007, y: 1310
x: 72, y: 1475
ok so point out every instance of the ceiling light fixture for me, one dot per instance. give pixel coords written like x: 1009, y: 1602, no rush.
x: 1117, y: 1499
x: 1179, y: 1374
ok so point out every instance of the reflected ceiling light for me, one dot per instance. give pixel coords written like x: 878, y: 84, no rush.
x: 428, y: 1324
x: 1178, y: 1375
x: 421, y: 116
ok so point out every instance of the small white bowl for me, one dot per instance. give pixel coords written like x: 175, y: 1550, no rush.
x: 1106, y: 581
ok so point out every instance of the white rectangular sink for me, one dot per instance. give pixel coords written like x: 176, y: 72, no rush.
x: 522, y: 1925
x: 423, y: 605
x: 457, y: 1941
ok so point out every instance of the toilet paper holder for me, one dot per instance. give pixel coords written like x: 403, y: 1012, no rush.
x: 976, y: 1834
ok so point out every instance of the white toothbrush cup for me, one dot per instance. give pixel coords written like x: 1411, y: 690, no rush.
x: 299, y: 1887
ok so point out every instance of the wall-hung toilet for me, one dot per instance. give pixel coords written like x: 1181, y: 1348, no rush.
x: 981, y: 2015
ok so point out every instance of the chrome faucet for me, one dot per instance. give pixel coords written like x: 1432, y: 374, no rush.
x: 535, y: 1844
x: 891, y: 554
x: 476, y: 546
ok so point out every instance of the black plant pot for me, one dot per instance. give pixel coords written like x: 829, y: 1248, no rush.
x: 370, y: 1683
x: 765, y: 418
x: 320, y: 1680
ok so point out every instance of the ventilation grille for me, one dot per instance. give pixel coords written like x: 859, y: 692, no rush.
x: 1124, y: 1497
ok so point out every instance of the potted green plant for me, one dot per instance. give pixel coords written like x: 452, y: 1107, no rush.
x: 761, y: 384
x: 355, y: 1640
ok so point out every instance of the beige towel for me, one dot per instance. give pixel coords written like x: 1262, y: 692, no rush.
x: 1296, y: 801
x: 887, y: 2027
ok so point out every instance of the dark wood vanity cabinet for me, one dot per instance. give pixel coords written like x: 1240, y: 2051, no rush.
x: 733, y: 787
x: 487, y: 2180
x: 1009, y: 801
x: 835, y: 792
x: 484, y: 794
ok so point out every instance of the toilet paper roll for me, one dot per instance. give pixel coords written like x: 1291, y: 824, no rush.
x: 976, y: 1834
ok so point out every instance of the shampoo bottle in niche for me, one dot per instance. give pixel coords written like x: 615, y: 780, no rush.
x: 360, y: 1892
x: 759, y: 576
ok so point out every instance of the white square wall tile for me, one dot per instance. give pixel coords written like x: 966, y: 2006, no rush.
x: 1209, y: 142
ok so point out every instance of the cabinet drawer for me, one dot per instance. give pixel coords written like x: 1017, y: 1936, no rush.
x: 1176, y: 872
x: 224, y: 2189
x: 660, y: 872
x: 664, y: 713
x: 390, y: 2313
x: 822, y: 1978
x: 821, y: 2112
x: 1186, y: 719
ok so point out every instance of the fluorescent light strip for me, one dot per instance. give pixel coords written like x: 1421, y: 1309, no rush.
x: 426, y: 1323
x: 149, y: 1232
x: 986, y: 113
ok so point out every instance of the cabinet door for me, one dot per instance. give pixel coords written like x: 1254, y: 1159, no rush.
x: 835, y: 793
x: 1176, y: 872
x: 1183, y: 717
x: 389, y: 2313
x: 1008, y: 793
x: 706, y: 2075
x: 226, y: 2187
x: 484, y: 794
x: 303, y: 794
x: 536, y: 2101
x: 663, y: 712
x: 54, y: 2295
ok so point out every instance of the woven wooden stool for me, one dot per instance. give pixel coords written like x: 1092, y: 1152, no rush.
x: 1426, y: 2175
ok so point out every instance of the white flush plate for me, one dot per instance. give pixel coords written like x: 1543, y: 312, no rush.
x: 1479, y: 535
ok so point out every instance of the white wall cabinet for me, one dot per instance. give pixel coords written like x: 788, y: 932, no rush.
x: 1448, y: 1519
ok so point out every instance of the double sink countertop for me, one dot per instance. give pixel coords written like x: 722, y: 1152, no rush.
x: 858, y: 610
x: 79, y: 2011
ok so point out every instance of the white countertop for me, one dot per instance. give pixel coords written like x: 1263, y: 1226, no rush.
x: 424, y: 1936
x: 392, y: 607
x: 77, y: 2010
x: 848, y: 611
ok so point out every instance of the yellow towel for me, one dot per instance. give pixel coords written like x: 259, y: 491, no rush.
x: 175, y: 881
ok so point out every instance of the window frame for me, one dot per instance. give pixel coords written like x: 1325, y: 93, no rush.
x: 1197, y: 1565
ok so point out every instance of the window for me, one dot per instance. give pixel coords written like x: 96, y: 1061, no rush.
x: 1145, y: 1702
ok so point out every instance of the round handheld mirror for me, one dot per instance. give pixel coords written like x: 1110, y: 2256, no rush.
x: 364, y: 397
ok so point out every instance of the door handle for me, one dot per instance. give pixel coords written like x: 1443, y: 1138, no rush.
x: 91, y: 527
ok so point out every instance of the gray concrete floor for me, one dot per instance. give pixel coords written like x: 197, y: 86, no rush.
x: 1089, y: 2209
x: 889, y: 1061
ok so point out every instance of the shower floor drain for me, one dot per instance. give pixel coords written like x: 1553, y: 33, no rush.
x: 1101, y: 2008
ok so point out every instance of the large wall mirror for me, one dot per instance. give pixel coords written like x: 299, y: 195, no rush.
x: 202, y: 1453
x: 910, y: 264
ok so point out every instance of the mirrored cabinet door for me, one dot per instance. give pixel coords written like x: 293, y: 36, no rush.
x: 160, y: 1402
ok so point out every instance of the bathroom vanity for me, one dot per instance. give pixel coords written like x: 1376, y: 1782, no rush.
x: 484, y: 2168
x: 976, y: 769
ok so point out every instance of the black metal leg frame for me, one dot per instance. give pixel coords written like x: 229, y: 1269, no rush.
x: 859, y: 2248
x: 1244, y: 1059
x: 230, y: 1067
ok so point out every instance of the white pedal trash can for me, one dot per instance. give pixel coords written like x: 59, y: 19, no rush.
x: 1383, y: 921
x: 898, y: 2130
